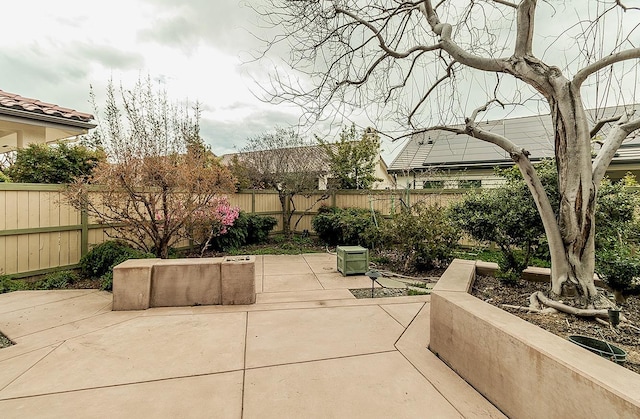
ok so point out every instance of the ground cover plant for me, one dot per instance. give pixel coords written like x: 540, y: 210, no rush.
x: 98, y: 263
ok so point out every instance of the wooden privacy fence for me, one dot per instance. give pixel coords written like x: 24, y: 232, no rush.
x: 40, y: 233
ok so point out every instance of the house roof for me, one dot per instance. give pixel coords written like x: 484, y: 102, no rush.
x: 446, y: 150
x: 16, y: 105
x: 314, y: 154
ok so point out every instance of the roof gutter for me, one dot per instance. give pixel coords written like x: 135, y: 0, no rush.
x: 46, y: 118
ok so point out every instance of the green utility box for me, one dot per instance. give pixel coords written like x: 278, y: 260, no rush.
x: 352, y: 260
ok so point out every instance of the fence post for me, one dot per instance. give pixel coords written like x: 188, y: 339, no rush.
x: 84, y: 234
x: 253, y: 202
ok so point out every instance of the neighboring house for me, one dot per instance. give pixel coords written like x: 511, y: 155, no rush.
x: 441, y: 159
x: 24, y: 121
x: 321, y: 163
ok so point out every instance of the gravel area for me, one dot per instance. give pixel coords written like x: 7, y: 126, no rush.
x: 4, y: 341
x: 379, y: 292
x: 494, y: 292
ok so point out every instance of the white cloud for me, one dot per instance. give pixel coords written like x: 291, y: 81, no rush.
x: 191, y: 48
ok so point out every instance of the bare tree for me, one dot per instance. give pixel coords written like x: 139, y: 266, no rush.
x: 422, y: 58
x: 285, y: 162
x: 160, y: 181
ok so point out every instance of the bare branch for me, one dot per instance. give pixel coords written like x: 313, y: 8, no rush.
x: 444, y: 30
x: 506, y: 3
x: 524, y: 38
x: 601, y: 123
x: 447, y: 75
x: 612, y: 143
x: 381, y: 40
x: 625, y: 8
x: 582, y: 75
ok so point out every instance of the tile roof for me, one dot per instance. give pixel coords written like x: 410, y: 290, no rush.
x: 17, y: 102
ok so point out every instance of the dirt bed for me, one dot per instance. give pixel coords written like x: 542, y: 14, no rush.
x: 491, y: 290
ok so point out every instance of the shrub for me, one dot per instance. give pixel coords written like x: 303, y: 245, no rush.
x: 246, y: 229
x: 106, y: 283
x: 102, y: 258
x: 508, y: 217
x: 348, y: 226
x: 57, y: 280
x: 327, y: 225
x: 619, y: 268
x: 62, y: 163
x: 4, y: 178
x: 617, y: 258
x: 259, y: 228
x: 235, y: 236
x: 8, y: 284
x: 423, y: 236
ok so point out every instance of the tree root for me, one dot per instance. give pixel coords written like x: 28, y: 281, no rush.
x: 538, y: 299
x: 523, y: 308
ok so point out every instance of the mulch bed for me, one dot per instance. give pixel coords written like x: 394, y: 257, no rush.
x: 492, y: 291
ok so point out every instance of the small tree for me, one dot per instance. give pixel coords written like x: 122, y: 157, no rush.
x: 160, y: 178
x: 507, y: 216
x: 60, y: 163
x: 285, y: 162
x: 352, y: 162
x: 422, y: 235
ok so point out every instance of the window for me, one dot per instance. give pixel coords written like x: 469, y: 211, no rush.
x: 469, y: 184
x: 433, y: 184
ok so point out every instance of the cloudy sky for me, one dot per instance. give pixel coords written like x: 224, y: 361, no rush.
x: 195, y: 49
x: 54, y: 51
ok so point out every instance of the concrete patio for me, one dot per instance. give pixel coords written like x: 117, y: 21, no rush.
x: 306, y: 349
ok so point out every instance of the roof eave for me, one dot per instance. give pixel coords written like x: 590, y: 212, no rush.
x: 46, y: 118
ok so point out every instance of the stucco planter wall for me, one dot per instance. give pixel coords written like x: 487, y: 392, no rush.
x: 524, y: 370
x: 142, y: 283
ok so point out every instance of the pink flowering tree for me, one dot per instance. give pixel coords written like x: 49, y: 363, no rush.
x: 212, y: 221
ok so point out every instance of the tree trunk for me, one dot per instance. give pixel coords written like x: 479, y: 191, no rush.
x: 286, y: 213
x: 573, y: 264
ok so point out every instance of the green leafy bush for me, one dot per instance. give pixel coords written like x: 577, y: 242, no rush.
x: 619, y: 268
x: 99, y: 261
x: 617, y: 238
x: 327, y: 225
x: 508, y: 217
x: 8, y: 284
x: 57, y: 280
x: 42, y: 163
x: 236, y: 235
x: 348, y: 226
x: 423, y: 236
x: 4, y: 178
x: 246, y: 229
x: 259, y: 228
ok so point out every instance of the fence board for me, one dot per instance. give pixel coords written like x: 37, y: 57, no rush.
x: 22, y: 251
x: 34, y: 207
x: 45, y: 244
x: 11, y: 214
x: 34, y: 252
x: 11, y: 252
x: 3, y: 210
x: 3, y: 253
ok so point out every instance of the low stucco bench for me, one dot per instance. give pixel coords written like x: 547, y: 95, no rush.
x: 142, y: 283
